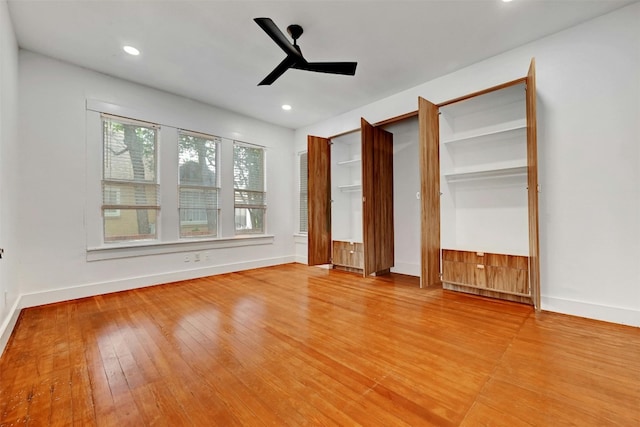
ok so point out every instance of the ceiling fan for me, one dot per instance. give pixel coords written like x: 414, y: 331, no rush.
x: 294, y: 57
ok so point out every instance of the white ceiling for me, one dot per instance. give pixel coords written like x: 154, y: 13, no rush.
x: 212, y: 51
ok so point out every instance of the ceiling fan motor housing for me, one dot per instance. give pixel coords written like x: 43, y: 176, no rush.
x: 295, y: 31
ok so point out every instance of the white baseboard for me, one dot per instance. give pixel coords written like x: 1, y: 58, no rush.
x: 6, y: 328
x: 65, y: 294
x: 301, y: 259
x: 624, y: 316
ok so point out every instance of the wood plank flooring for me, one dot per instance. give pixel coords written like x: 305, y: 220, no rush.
x: 295, y: 345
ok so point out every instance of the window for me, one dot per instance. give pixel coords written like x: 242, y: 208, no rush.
x: 249, y: 188
x: 156, y: 188
x: 304, y: 195
x: 198, y: 184
x: 130, y: 202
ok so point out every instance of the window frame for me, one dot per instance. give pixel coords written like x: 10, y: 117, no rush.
x: 111, y: 181
x: 263, y: 191
x: 216, y: 187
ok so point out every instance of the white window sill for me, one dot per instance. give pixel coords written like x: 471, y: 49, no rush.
x: 300, y: 238
x: 129, y: 250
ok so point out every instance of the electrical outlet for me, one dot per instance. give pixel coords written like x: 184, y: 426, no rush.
x: 196, y: 257
x: 186, y: 258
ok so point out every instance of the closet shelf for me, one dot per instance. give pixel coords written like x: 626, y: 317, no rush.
x: 350, y: 187
x: 351, y: 162
x: 517, y: 171
x: 507, y: 132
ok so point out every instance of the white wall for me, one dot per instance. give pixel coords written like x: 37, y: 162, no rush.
x: 406, y: 206
x: 588, y: 81
x: 55, y: 141
x: 346, y: 209
x: 8, y: 170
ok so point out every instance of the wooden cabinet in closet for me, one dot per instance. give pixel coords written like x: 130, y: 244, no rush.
x: 480, y: 192
x: 351, y: 200
x: 348, y: 256
x: 496, y: 272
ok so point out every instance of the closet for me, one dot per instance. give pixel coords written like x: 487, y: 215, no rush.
x: 478, y: 194
x: 350, y: 187
x: 478, y: 157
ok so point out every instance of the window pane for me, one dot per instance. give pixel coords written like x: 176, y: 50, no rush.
x: 198, y: 160
x: 129, y: 152
x: 198, y: 184
x: 248, y: 168
x: 249, y: 220
x: 130, y: 224
x: 198, y: 222
x: 129, y: 194
x: 198, y: 212
x: 248, y: 182
x: 250, y: 198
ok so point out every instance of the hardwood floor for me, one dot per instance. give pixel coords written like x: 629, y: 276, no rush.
x: 296, y: 345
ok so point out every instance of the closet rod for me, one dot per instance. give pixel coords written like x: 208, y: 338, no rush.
x: 483, y: 91
x: 381, y: 123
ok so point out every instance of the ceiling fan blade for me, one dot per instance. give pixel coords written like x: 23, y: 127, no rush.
x: 294, y: 57
x: 278, y: 71
x: 276, y: 35
x: 346, y: 68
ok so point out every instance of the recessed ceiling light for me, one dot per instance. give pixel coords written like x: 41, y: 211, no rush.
x: 286, y: 107
x: 131, y: 50
x: 506, y: 1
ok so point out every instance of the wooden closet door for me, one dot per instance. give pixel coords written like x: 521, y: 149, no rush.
x: 532, y: 185
x: 429, y: 144
x: 319, y: 202
x: 377, y: 199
